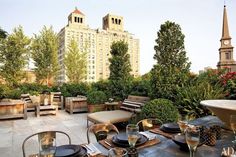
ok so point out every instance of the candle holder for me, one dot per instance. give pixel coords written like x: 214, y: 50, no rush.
x: 132, y: 152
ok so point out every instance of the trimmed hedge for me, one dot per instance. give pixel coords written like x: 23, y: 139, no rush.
x: 162, y: 109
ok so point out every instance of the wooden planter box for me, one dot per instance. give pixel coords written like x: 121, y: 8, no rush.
x: 76, y: 104
x: 96, y: 108
x: 13, y: 109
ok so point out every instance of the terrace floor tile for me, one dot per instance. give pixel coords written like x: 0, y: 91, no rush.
x: 14, y: 131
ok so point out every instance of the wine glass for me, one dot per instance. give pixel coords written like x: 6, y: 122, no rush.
x: 183, y: 123
x: 132, y: 131
x: 117, y: 152
x: 192, y: 135
x: 47, y: 147
x: 233, y: 126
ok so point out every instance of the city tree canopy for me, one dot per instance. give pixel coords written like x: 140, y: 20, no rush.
x: 44, y: 54
x: 14, y: 50
x: 75, y: 63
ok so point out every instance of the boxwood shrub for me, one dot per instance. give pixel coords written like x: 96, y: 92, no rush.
x: 162, y: 109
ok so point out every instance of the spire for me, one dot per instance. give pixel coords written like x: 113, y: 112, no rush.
x: 225, y: 29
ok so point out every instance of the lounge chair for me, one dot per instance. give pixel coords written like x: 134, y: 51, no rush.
x: 128, y: 108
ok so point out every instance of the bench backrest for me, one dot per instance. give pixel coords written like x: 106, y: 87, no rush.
x: 134, y: 103
x: 26, y: 98
x: 56, y: 97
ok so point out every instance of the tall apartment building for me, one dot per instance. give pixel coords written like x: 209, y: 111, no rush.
x: 97, y: 43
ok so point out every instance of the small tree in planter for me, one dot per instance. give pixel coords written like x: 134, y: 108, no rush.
x: 96, y: 100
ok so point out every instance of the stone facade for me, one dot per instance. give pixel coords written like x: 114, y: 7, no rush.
x: 96, y: 42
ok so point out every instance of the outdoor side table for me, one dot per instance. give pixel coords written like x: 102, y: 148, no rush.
x: 112, y: 105
x: 45, y: 110
x: 76, y: 104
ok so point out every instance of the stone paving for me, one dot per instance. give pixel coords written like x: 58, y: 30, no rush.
x: 13, y: 132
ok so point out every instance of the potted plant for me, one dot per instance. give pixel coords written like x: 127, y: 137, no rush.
x: 96, y: 100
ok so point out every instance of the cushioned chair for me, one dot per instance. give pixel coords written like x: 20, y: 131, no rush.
x: 128, y: 108
x: 150, y: 123
x: 101, y: 131
x: 42, y: 139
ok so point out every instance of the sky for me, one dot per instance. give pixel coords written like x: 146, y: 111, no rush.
x: 200, y: 21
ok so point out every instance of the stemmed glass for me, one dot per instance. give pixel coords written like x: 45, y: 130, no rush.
x: 132, y: 131
x: 183, y: 124
x: 233, y: 126
x: 192, y: 135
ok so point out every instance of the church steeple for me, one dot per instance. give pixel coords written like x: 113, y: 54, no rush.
x: 226, y: 57
x: 225, y: 28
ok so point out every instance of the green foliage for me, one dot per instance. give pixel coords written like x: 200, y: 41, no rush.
x: 162, y: 109
x: 140, y: 87
x: 172, y: 69
x: 102, y: 85
x: 3, y: 91
x: 3, y: 34
x: 14, y: 56
x: 189, y: 97
x: 33, y: 88
x: 44, y: 54
x: 120, y: 78
x: 166, y: 81
x: 229, y: 83
x: 13, y: 93
x: 96, y: 97
x: 212, y: 76
x: 73, y: 90
x: 75, y: 63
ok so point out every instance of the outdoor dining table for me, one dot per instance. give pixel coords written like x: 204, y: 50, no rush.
x: 167, y: 148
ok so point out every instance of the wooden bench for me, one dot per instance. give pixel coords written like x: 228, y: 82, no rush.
x: 129, y: 106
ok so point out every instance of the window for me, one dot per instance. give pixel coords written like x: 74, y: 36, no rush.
x: 119, y: 21
x: 75, y: 19
x: 112, y: 20
x: 227, y: 55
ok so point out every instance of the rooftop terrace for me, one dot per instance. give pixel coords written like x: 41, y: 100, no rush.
x: 13, y: 132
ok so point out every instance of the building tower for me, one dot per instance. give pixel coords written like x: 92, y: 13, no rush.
x: 97, y: 44
x: 113, y: 22
x: 226, y: 59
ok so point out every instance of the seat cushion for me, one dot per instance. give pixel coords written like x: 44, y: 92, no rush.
x: 109, y: 116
